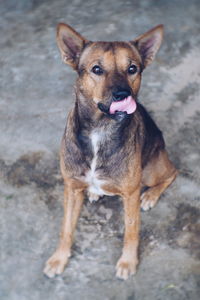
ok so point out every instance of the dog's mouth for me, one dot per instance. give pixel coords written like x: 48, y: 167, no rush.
x: 121, y: 108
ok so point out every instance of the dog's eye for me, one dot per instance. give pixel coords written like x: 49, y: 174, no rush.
x: 97, y: 70
x: 132, y: 69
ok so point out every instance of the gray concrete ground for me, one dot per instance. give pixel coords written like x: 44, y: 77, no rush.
x: 35, y: 96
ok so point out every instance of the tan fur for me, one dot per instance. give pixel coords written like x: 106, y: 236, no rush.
x: 126, y: 181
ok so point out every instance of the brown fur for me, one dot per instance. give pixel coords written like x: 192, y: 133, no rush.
x: 131, y: 151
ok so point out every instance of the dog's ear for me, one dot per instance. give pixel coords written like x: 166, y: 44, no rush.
x: 70, y: 44
x: 149, y: 43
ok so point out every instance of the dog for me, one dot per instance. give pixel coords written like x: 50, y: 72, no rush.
x: 111, y: 145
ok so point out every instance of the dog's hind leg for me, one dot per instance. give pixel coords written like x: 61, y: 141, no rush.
x: 73, y: 200
x: 158, y: 174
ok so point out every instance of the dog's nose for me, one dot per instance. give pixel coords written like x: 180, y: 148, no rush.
x: 120, y: 95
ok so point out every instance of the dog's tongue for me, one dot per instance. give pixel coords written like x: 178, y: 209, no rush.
x: 128, y: 105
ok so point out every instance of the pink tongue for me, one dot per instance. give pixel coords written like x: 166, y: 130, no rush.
x: 128, y: 105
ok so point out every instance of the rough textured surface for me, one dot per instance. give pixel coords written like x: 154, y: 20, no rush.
x: 36, y: 93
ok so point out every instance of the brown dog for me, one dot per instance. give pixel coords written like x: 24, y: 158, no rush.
x: 111, y: 146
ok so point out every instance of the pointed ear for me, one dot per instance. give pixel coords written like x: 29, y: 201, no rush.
x: 149, y: 43
x: 70, y: 44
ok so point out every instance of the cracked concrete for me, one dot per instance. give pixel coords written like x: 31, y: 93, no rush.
x: 35, y: 96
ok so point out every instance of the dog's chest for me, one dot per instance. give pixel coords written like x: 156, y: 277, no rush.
x: 93, y: 175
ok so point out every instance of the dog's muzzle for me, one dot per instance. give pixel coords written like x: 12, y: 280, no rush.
x: 118, y: 115
x: 120, y: 95
x: 122, y: 105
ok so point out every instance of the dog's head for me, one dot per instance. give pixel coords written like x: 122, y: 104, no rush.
x: 109, y: 72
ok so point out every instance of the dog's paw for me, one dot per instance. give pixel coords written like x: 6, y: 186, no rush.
x: 126, y: 268
x: 148, y: 200
x: 55, y: 264
x: 93, y: 197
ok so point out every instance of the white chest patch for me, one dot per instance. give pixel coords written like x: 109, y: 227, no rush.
x: 91, y: 178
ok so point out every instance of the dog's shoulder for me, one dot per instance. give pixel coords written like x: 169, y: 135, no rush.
x: 153, y: 141
x: 76, y: 147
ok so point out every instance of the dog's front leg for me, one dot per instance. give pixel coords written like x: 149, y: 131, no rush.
x: 73, y: 200
x: 129, y: 259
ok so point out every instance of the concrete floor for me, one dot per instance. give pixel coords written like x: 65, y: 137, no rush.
x: 35, y: 96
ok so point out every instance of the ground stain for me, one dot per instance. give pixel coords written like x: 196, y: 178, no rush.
x: 184, y: 230
x: 32, y: 168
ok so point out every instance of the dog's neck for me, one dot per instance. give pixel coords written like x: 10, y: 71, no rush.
x: 88, y: 115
